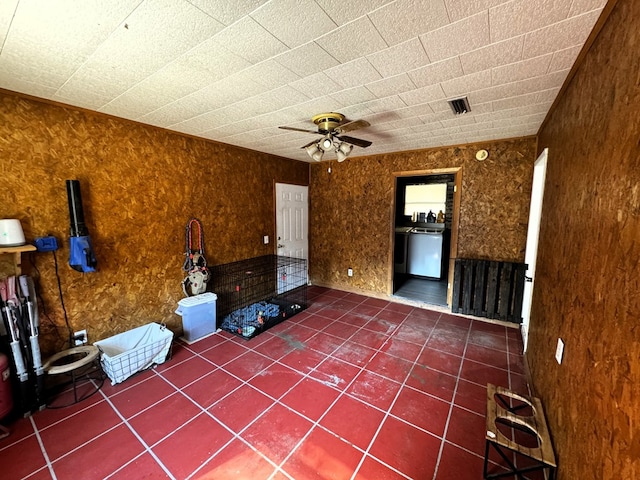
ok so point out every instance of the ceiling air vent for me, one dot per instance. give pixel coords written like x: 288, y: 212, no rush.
x: 460, y: 105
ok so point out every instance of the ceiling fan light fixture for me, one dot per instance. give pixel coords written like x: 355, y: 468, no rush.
x: 326, y: 143
x: 343, y: 151
x: 314, y: 152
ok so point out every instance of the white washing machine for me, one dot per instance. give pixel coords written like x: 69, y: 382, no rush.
x: 425, y: 252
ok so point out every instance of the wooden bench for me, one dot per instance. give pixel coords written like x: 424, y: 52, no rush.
x: 503, y: 407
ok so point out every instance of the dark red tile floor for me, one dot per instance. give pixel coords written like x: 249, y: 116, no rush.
x: 351, y: 388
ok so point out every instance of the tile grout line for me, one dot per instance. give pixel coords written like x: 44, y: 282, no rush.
x: 43, y: 449
x: 147, y: 448
x: 243, y: 383
x: 388, y: 411
x: 340, y: 395
x: 453, y: 398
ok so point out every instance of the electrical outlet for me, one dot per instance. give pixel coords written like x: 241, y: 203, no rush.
x: 559, y: 351
x: 80, y: 337
x: 350, y: 272
x: 265, y: 239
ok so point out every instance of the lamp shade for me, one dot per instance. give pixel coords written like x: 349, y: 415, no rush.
x: 314, y: 152
x: 343, y: 151
x: 11, y: 234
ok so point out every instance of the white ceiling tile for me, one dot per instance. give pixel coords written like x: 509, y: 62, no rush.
x: 343, y: 12
x: 403, y: 19
x: 352, y: 96
x: 459, y: 9
x: 467, y: 83
x: 522, y: 87
x: 494, y: 93
x: 405, y: 56
x: 569, y: 33
x: 189, y: 73
x: 426, y: 94
x: 436, y: 72
x: 222, y: 93
x: 10, y: 82
x: 227, y: 12
x: 532, y: 67
x: 440, y: 107
x: 564, y: 59
x: 519, y: 120
x: 381, y: 105
x: 250, y: 40
x: 403, y: 124
x: 391, y: 86
x: 151, y: 37
x: 355, y: 39
x: 305, y: 20
x: 458, y: 120
x: 582, y: 6
x: 457, y: 38
x: 90, y: 98
x: 48, y: 41
x: 356, y: 111
x: 269, y: 74
x: 355, y: 73
x: 520, y: 16
x: 308, y: 109
x: 307, y: 59
x: 204, y: 64
x: 7, y: 10
x: 480, y: 107
x: 414, y: 111
x: 317, y: 85
x: 212, y: 97
x: 514, y: 113
x: 527, y: 99
x: 501, y: 53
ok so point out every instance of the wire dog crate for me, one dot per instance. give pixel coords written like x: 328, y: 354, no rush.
x: 258, y: 293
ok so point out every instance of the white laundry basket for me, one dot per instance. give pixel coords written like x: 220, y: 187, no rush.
x: 135, y: 350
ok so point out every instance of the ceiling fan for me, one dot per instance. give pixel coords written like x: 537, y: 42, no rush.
x: 331, y: 127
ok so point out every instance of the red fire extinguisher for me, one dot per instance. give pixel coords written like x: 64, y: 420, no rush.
x: 6, y: 399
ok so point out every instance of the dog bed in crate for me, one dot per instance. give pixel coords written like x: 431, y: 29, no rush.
x: 127, y: 353
x: 253, y: 319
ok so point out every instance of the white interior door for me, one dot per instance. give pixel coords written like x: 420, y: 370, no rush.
x: 533, y: 232
x: 292, y: 227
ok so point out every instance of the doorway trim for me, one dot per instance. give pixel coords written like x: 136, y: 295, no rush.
x: 453, y: 250
x: 533, y: 235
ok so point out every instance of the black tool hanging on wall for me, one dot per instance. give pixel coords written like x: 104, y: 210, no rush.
x: 81, y: 256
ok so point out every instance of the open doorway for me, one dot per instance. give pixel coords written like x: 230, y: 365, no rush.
x: 425, y: 235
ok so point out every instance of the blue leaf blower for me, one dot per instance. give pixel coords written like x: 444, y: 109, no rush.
x: 81, y: 255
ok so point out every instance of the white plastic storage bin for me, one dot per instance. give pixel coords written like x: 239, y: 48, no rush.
x: 198, y: 316
x: 133, y: 351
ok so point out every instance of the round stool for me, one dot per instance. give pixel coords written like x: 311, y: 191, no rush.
x: 82, y: 365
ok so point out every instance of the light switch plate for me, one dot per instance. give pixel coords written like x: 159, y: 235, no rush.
x: 559, y: 351
x: 265, y: 239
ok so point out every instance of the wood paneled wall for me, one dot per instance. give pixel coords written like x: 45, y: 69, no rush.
x: 352, y: 209
x: 140, y: 185
x: 587, y: 288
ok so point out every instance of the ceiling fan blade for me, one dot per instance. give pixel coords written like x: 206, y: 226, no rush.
x: 356, y: 141
x: 309, y: 144
x: 350, y: 126
x: 299, y: 130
